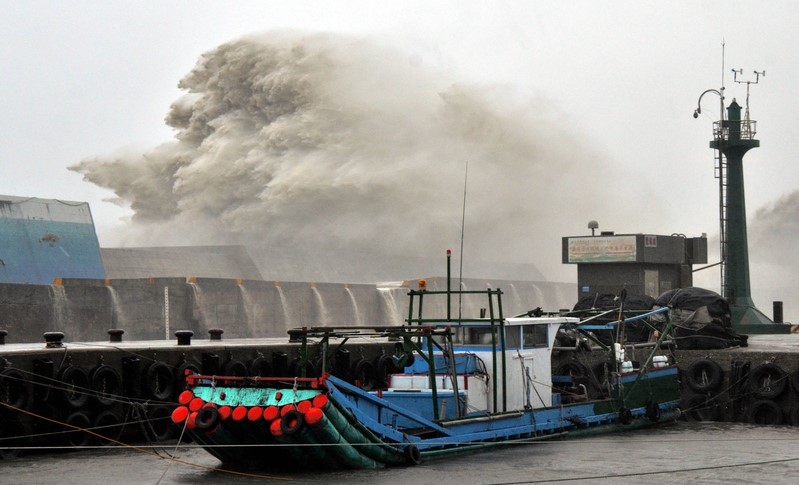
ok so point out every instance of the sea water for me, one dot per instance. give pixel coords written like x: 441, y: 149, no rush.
x: 730, y: 453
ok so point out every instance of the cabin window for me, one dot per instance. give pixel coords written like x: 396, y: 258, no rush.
x: 477, y: 336
x: 535, y: 336
x: 513, y: 337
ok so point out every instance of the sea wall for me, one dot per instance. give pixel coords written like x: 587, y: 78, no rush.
x: 153, y: 308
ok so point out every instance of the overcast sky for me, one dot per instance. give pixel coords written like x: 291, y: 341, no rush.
x: 81, y: 79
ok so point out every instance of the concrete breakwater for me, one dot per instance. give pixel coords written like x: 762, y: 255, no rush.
x: 758, y: 384
x: 153, y: 308
x: 58, y: 394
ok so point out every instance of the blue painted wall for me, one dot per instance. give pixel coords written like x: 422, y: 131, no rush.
x: 41, y: 240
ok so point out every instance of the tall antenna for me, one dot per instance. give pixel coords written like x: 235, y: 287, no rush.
x: 463, y: 225
x: 735, y: 73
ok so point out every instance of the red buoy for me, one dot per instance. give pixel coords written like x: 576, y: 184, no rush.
x: 239, y: 413
x: 180, y: 414
x: 255, y: 413
x: 313, y: 416
x: 185, y: 397
x: 271, y: 413
x: 287, y: 408
x: 304, y: 406
x: 274, y: 428
x: 224, y: 412
x: 320, y: 401
x: 210, y: 405
x: 192, y: 421
x: 196, y: 404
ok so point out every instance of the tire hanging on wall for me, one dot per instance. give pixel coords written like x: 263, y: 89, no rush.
x: 106, y: 384
x: 158, y: 382
x: 160, y: 423
x: 571, y: 368
x: 384, y: 367
x: 363, y: 372
x: 180, y: 375
x: 260, y: 367
x: 625, y: 416
x: 235, y: 368
x: 704, y: 376
x: 108, y: 424
x: 15, y: 389
x: 74, y: 437
x: 767, y: 381
x: 765, y: 411
x: 412, y: 455
x: 74, y: 384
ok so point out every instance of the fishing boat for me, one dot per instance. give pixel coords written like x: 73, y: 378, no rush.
x: 447, y: 384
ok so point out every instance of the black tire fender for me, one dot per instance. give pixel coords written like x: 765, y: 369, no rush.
x: 764, y: 411
x: 180, y: 375
x: 78, y: 437
x: 767, y: 381
x: 704, y: 375
x: 235, y: 368
x: 109, y: 425
x: 571, y: 368
x: 106, y: 383
x: 412, y: 455
x: 74, y: 386
x: 291, y: 422
x: 158, y: 382
x: 364, y: 372
x: 625, y: 416
x: 260, y: 367
x: 207, y: 419
x: 14, y: 388
x: 653, y: 411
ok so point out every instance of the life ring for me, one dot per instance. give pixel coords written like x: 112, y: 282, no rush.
x: 653, y: 411
x: 158, y: 382
x: 765, y: 411
x: 74, y: 386
x: 625, y: 416
x: 234, y: 368
x: 412, y: 455
x: 704, y: 376
x: 106, y: 384
x: 207, y: 419
x: 260, y: 367
x: 363, y: 372
x: 77, y: 437
x: 700, y: 408
x: 767, y: 381
x: 291, y: 422
x: 14, y: 388
x: 109, y: 425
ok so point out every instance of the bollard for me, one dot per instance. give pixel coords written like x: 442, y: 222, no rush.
x: 184, y: 336
x: 216, y: 333
x: 777, y: 307
x: 3, y: 334
x: 53, y: 339
x: 115, y: 335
